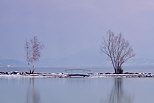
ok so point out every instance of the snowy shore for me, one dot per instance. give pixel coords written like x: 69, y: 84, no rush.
x: 65, y: 75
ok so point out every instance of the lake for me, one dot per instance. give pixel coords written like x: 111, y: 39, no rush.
x: 76, y: 90
x: 92, y: 69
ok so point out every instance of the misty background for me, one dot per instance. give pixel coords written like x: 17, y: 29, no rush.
x: 72, y: 30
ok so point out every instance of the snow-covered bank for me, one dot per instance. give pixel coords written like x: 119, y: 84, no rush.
x: 139, y: 75
x: 28, y: 75
x: 63, y: 75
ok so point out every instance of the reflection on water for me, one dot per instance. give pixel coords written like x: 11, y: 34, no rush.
x: 118, y: 95
x: 33, y: 95
x: 76, y: 90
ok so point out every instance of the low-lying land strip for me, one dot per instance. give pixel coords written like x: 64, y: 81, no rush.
x: 65, y: 75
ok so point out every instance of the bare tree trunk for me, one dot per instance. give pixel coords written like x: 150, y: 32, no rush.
x: 118, y: 70
x: 33, y: 68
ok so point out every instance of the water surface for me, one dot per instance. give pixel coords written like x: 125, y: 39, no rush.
x: 77, y: 90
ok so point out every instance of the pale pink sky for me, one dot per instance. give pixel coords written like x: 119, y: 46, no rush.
x: 71, y: 28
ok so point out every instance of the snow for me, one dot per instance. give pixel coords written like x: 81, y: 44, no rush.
x: 62, y: 75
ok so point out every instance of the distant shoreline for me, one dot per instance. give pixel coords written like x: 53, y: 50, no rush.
x: 65, y: 75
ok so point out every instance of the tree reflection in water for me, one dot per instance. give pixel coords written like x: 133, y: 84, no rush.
x: 32, y: 94
x: 117, y: 93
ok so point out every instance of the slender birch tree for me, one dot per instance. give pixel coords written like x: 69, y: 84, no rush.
x: 33, y: 52
x: 117, y: 49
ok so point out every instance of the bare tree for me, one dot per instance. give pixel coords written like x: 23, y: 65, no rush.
x: 33, y: 52
x: 117, y: 49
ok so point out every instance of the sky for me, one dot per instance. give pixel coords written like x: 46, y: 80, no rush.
x: 72, y: 30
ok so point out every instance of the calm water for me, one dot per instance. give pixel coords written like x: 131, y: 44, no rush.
x: 76, y: 90
x: 92, y: 69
